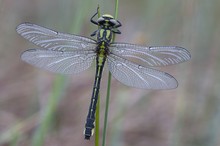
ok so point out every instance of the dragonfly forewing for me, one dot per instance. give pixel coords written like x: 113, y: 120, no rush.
x: 150, y: 56
x: 138, y: 76
x: 53, y: 40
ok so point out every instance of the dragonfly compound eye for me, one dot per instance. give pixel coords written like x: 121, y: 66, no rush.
x: 101, y: 19
x: 113, y: 22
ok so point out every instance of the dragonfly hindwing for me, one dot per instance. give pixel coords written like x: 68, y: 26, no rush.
x: 138, y: 76
x: 58, y: 61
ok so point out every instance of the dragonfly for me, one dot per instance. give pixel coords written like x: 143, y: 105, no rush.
x: 130, y: 64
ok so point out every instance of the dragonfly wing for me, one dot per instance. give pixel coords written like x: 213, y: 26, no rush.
x: 59, y: 61
x: 150, y: 56
x: 52, y: 40
x: 138, y: 76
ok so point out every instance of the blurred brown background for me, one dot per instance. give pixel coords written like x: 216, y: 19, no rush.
x: 186, y: 116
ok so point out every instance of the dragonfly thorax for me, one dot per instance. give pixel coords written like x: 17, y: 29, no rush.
x: 107, y: 24
x: 104, y: 35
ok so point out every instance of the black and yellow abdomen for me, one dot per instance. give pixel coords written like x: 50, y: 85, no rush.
x: 104, y: 38
x: 107, y: 26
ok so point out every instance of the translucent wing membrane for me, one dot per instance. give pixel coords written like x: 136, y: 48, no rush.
x: 150, y: 56
x: 52, y: 40
x: 138, y: 76
x: 59, y: 61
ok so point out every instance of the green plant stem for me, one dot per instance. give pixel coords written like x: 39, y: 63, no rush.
x: 108, y: 88
x: 48, y: 116
x: 116, y: 13
x: 97, y: 122
x: 97, y: 112
x: 106, y: 109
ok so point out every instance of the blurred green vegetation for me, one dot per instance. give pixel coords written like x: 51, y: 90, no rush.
x: 188, y: 115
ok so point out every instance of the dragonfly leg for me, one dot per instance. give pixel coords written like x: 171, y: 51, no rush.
x: 116, y: 31
x: 118, y: 25
x: 94, y: 33
x: 91, y: 19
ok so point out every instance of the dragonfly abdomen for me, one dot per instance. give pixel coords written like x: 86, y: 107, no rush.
x: 104, y: 38
x: 89, y: 127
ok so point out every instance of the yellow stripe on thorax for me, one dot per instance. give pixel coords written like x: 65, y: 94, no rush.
x: 102, y: 53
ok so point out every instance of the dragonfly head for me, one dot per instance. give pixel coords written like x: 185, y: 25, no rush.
x: 107, y: 20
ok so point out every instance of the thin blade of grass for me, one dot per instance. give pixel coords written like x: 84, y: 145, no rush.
x: 108, y: 88
x: 49, y: 111
x: 97, y: 110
